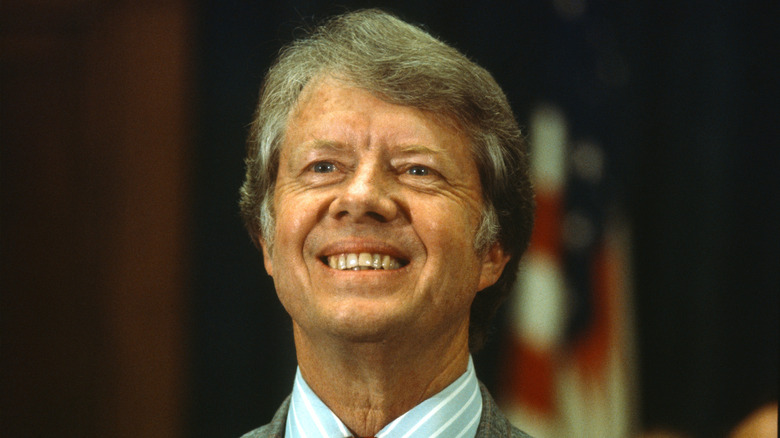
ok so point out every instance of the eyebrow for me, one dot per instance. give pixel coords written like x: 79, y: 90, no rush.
x: 420, y: 149
x: 337, y: 146
x: 320, y: 144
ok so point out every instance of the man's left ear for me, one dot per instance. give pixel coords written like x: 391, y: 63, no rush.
x: 493, y: 263
x: 269, y: 265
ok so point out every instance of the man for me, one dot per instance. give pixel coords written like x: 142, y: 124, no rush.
x: 387, y: 187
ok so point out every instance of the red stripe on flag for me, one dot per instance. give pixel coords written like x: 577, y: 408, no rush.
x: 546, y: 237
x: 591, y: 352
x: 531, y: 382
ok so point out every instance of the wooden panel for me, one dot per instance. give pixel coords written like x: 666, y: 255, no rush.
x: 94, y: 207
x: 53, y: 337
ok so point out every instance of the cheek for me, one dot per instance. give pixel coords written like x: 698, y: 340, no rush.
x: 448, y: 230
x: 293, y: 219
x: 289, y: 226
x: 450, y: 227
x: 448, y: 237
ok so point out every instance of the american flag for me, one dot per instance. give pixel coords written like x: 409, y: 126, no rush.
x: 570, y: 365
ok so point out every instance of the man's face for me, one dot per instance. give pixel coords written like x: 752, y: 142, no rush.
x: 365, y: 182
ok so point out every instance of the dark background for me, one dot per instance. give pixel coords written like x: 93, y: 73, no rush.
x: 134, y: 304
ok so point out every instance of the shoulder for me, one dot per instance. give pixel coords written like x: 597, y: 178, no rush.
x: 493, y: 423
x: 274, y: 429
x: 261, y: 432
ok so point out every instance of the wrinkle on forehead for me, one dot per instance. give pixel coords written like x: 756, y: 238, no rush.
x: 314, y: 85
x: 364, y: 120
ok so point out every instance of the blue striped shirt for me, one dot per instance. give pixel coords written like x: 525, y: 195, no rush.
x: 452, y: 413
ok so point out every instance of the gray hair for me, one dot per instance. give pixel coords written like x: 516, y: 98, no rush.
x: 402, y: 64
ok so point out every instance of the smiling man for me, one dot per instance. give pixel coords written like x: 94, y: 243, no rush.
x: 387, y: 186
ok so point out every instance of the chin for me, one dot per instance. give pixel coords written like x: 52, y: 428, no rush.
x: 360, y: 327
x: 362, y: 333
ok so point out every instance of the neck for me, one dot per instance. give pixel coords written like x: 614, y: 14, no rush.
x: 369, y: 384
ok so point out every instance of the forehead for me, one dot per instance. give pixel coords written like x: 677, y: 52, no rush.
x: 328, y: 108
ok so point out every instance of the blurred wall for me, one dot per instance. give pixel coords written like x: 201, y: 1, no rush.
x: 95, y: 98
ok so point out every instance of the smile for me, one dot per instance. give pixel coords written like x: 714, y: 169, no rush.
x: 364, y: 261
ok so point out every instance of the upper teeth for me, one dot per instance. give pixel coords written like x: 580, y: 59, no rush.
x: 363, y: 260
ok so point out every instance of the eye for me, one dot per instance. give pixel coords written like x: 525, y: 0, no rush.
x: 323, y: 167
x: 418, y: 171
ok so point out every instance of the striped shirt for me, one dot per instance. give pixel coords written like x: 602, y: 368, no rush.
x: 452, y: 413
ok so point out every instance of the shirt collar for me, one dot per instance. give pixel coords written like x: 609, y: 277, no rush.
x: 453, y: 412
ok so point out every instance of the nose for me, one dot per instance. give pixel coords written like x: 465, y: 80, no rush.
x: 367, y: 195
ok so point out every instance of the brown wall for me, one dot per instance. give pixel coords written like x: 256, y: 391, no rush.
x: 94, y: 183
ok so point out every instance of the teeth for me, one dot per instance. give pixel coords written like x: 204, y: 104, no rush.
x: 352, y: 261
x: 390, y: 263
x: 362, y: 261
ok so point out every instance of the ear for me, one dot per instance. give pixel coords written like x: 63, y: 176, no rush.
x: 493, y: 263
x: 269, y: 264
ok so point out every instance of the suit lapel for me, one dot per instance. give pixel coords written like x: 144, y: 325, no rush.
x: 274, y: 429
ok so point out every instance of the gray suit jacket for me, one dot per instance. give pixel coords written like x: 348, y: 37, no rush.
x: 493, y: 423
